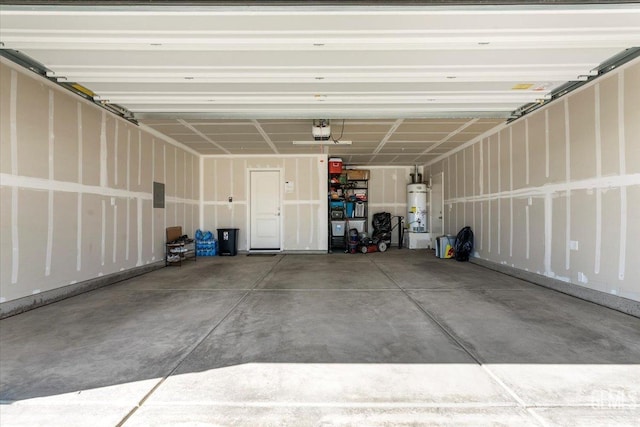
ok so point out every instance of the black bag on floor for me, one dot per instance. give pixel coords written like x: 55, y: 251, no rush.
x: 464, y: 244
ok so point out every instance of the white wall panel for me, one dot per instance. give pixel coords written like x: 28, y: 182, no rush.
x: 563, y: 176
x: 388, y: 193
x: 628, y: 100
x: 609, y: 126
x: 65, y: 153
x: 304, y: 210
x: 76, y: 189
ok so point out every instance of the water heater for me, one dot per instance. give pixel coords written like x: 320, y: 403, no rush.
x: 417, y: 208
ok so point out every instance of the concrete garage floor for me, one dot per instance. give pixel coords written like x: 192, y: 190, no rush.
x: 399, y: 338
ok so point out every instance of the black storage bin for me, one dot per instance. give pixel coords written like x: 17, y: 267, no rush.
x: 228, y: 241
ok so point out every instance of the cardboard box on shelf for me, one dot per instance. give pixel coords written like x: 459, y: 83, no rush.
x: 357, y: 174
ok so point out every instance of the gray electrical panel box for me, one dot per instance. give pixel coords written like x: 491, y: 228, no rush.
x: 158, y: 195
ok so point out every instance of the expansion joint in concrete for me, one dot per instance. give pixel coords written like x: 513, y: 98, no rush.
x: 521, y: 403
x: 197, y: 344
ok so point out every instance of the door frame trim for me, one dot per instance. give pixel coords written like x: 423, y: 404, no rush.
x: 249, y: 171
x: 432, y: 214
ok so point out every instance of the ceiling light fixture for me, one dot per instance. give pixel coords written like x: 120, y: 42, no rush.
x: 329, y: 142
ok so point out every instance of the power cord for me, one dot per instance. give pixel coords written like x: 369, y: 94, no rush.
x: 335, y: 141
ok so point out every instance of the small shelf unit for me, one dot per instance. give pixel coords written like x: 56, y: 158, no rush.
x: 177, y: 250
x: 348, y: 205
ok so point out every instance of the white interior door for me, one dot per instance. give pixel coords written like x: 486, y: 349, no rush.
x: 437, y: 205
x: 265, y: 210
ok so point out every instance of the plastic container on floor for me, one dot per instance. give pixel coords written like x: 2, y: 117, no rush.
x: 228, y: 241
x: 206, y: 248
x: 444, y: 246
